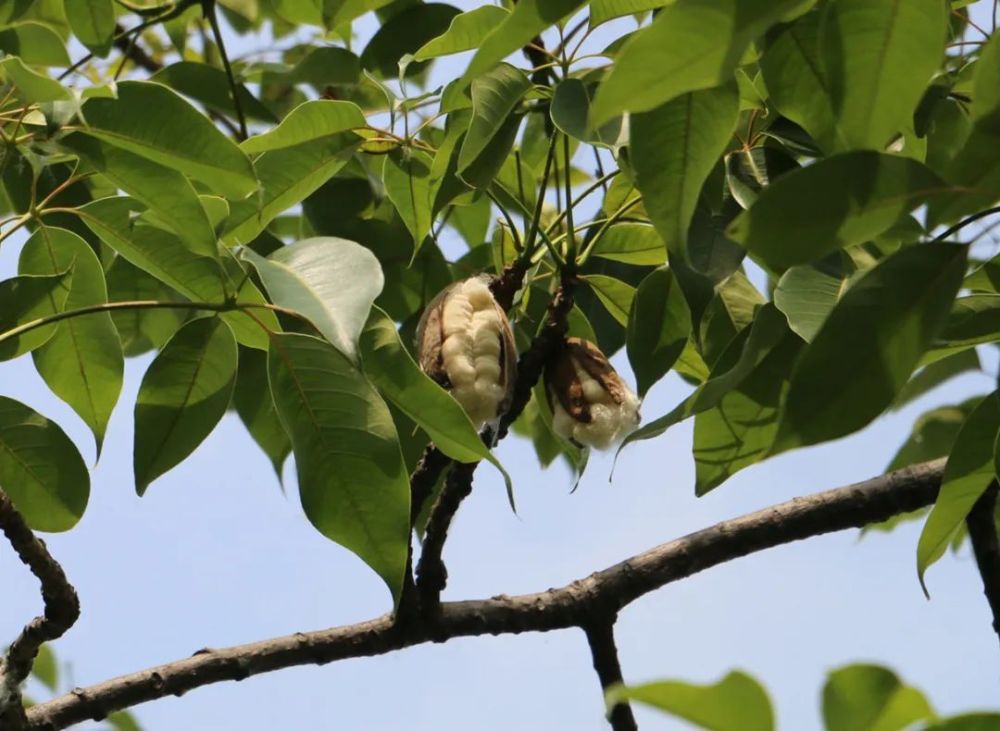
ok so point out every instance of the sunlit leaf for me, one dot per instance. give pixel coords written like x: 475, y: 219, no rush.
x: 466, y: 32
x: 309, y: 121
x: 871, y: 697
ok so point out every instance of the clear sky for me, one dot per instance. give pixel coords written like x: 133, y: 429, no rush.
x: 216, y: 555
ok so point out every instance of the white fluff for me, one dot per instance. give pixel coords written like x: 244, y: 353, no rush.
x: 471, y: 349
x: 610, y: 422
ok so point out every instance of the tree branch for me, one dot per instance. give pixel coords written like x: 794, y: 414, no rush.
x: 62, y: 608
x: 573, y: 605
x: 601, y: 638
x: 981, y: 523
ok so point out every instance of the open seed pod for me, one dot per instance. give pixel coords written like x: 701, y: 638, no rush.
x: 591, y: 405
x: 465, y: 343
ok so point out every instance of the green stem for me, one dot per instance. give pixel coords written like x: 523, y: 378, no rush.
x: 535, y: 228
x: 570, y: 238
x: 614, y: 218
x: 579, y: 199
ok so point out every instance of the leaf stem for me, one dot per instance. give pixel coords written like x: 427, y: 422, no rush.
x: 965, y: 222
x: 208, y: 10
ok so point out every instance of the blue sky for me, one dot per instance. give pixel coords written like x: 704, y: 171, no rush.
x: 216, y: 555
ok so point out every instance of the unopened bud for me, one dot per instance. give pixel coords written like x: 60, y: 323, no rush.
x: 591, y: 405
x: 465, y: 343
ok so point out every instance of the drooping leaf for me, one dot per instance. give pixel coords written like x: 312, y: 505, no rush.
x: 467, y: 31
x: 735, y: 703
x: 877, y: 60
x: 82, y: 362
x: 408, y: 183
x: 969, y: 471
x: 41, y: 470
x: 494, y: 97
x: 527, y: 20
x: 141, y: 330
x: 93, y: 23
x: 159, y: 187
x: 673, y: 149
x: 835, y: 203
x: 869, y: 344
x: 691, y: 45
x: 311, y: 120
x: 352, y: 480
x: 253, y: 402
x: 331, y: 281
x: 807, y: 293
x: 162, y: 254
x: 26, y: 299
x: 183, y: 396
x: 871, y: 697
x: 658, y: 327
x: 178, y: 136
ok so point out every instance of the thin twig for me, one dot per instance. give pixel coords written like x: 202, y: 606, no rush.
x: 601, y: 638
x: 986, y: 547
x: 867, y: 502
x: 965, y: 222
x: 62, y: 608
x: 208, y: 10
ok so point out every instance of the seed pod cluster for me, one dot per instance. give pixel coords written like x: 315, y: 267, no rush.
x: 591, y: 405
x: 465, y: 343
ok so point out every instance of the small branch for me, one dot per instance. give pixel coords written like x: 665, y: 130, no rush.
x: 128, y: 44
x: 854, y: 506
x: 981, y: 523
x: 601, y: 638
x: 965, y: 222
x: 62, y: 608
x: 424, y: 478
x: 208, y: 10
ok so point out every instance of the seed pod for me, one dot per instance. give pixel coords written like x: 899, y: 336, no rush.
x: 465, y: 343
x: 591, y: 405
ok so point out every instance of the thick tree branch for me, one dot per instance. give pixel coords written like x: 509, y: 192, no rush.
x: 573, y: 605
x: 981, y: 523
x: 601, y: 638
x: 62, y: 608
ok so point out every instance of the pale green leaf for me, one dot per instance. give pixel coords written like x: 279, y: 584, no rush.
x: 467, y: 31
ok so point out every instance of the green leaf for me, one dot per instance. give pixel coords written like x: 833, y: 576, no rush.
x: 178, y: 136
x: 731, y: 309
x: 336, y: 12
x: 25, y: 299
x: 970, y: 469
x: 45, y: 669
x: 527, y: 20
x: 869, y: 345
x: 933, y: 435
x: 878, y: 58
x: 986, y: 80
x: 352, y: 480
x: 123, y: 721
x: 873, y: 698
x: 467, y: 31
x: 739, y: 430
x: 161, y: 188
x: 673, y: 148
x: 404, y: 33
x: 141, y: 330
x: 183, y: 396
x: 253, y: 402
x: 808, y: 293
x: 408, y: 183
x: 691, y: 45
x: 614, y: 294
x: 796, y: 84
x: 210, y: 86
x: 332, y: 282
x: 325, y: 66
x: 36, y: 44
x: 570, y: 110
x: 631, y: 243
x: 601, y: 11
x: 735, y: 703
x: 41, y: 469
x: 93, y: 23
x: 968, y: 722
x: 933, y: 375
x: 835, y: 203
x: 33, y: 86
x: 163, y: 255
x: 287, y: 177
x: 658, y: 328
x: 82, y: 362
x: 311, y: 120
x: 494, y: 96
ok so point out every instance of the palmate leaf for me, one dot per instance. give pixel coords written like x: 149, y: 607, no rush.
x: 41, y: 469
x: 352, y: 480
x: 82, y: 362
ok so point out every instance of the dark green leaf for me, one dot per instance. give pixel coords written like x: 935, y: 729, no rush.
x: 141, y: 330
x: 835, y: 203
x: 614, y: 294
x: 183, y: 396
x: 93, y: 23
x: 571, y: 109
x: 82, y: 362
x: 658, y: 328
x: 933, y: 375
x: 674, y: 148
x: 25, y: 299
x: 41, y: 470
x: 352, y: 480
x: 253, y: 402
x: 870, y: 344
x: 403, y: 34
x: 408, y: 183
x: 494, y: 97
x: 968, y: 722
x: 210, y: 86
